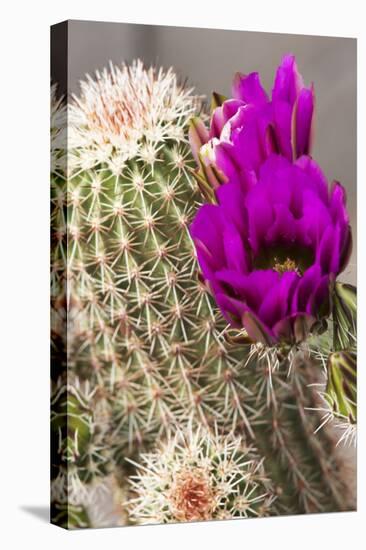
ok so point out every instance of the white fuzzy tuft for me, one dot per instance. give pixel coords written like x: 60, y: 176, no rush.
x: 124, y: 112
x: 199, y: 475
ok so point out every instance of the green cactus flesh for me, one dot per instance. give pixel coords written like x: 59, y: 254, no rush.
x: 69, y: 517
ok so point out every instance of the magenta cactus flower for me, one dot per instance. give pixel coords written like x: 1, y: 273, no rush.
x: 270, y: 253
x: 249, y: 127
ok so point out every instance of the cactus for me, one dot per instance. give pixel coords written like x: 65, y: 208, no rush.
x: 341, y: 386
x: 69, y: 516
x: 139, y: 347
x: 336, y: 349
x: 200, y: 476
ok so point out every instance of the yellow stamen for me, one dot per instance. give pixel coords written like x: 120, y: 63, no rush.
x: 287, y: 265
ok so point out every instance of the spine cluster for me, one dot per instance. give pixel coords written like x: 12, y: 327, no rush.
x: 198, y: 476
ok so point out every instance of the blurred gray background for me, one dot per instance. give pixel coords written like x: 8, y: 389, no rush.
x: 209, y: 58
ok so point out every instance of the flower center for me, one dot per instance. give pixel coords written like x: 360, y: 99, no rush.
x: 287, y: 265
x: 192, y: 496
x: 283, y: 258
